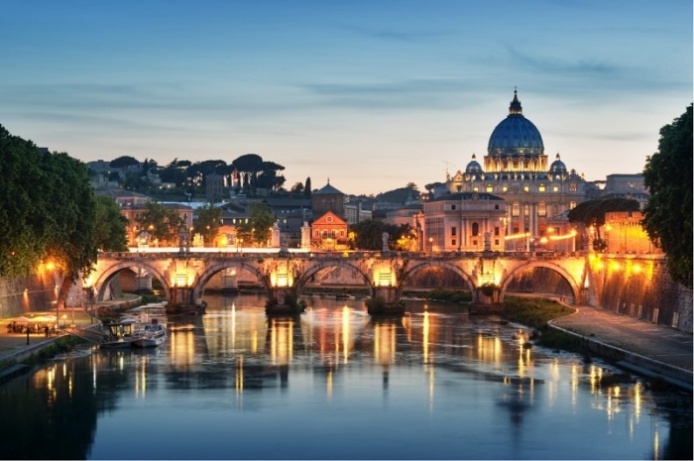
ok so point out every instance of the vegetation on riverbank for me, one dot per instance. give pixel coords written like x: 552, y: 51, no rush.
x: 440, y: 294
x: 59, y: 346
x: 535, y: 313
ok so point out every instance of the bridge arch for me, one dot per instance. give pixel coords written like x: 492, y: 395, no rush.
x: 202, y: 279
x: 106, y: 275
x: 566, y: 275
x: 423, y: 264
x: 316, y: 266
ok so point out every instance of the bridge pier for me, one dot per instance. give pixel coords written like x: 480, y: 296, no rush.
x: 282, y: 301
x: 182, y: 301
x: 486, y: 299
x: 385, y: 301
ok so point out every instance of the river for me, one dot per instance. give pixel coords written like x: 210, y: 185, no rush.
x: 334, y: 384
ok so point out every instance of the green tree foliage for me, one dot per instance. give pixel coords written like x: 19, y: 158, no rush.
x: 72, y: 220
x: 23, y: 206
x: 668, y: 213
x: 368, y: 235
x: 208, y: 222
x: 124, y: 161
x: 592, y: 213
x: 161, y: 222
x: 256, y: 232
x: 47, y: 212
x: 110, y: 232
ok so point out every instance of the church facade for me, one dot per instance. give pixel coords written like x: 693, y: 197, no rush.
x: 517, y: 169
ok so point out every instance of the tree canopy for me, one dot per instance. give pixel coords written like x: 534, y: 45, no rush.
x: 256, y: 232
x: 668, y: 212
x: 368, y: 235
x: 160, y: 222
x: 592, y: 213
x: 208, y: 223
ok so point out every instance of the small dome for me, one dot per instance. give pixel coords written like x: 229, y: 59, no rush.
x: 515, y: 135
x: 473, y: 168
x: 557, y: 167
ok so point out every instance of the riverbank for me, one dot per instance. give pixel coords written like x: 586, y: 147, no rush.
x: 651, y: 350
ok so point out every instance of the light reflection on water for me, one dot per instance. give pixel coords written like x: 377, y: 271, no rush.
x: 336, y: 384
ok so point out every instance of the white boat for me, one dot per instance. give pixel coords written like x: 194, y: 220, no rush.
x: 152, y: 335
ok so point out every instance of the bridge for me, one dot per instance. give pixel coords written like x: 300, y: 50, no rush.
x: 285, y: 274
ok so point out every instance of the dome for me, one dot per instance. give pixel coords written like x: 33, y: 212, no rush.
x: 557, y: 167
x: 515, y: 135
x: 473, y: 168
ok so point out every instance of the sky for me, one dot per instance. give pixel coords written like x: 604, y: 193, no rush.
x: 370, y: 95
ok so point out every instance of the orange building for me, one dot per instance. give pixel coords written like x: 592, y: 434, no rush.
x: 625, y: 234
x: 329, y: 232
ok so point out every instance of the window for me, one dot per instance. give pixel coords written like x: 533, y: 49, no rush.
x: 515, y: 211
x: 572, y: 187
x: 504, y: 189
x: 475, y: 229
x: 555, y: 188
x: 526, y: 189
x: 541, y: 209
x: 342, y: 233
x: 452, y: 207
x: 453, y: 242
x: 453, y: 231
x: 490, y: 188
x: 476, y: 189
x: 329, y: 219
x: 572, y: 205
x: 496, y: 232
x: 526, y: 210
x: 541, y: 188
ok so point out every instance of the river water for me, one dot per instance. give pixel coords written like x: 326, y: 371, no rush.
x: 436, y: 384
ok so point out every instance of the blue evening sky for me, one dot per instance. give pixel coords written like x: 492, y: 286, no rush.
x: 371, y: 94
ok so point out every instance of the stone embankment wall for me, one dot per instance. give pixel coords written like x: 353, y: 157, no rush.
x: 640, y: 287
x: 35, y: 293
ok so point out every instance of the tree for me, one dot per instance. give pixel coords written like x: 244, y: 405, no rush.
x: 247, y: 166
x: 124, y: 161
x: 668, y: 212
x: 71, y: 220
x: 307, y: 188
x: 591, y: 214
x: 161, y: 222
x: 368, y: 235
x: 110, y: 232
x: 23, y: 206
x: 207, y: 224
x: 257, y: 230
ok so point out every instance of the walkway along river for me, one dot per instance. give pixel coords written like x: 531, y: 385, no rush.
x: 335, y: 384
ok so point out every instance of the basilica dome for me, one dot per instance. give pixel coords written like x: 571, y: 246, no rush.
x: 516, y: 135
x: 557, y: 167
x: 473, y: 168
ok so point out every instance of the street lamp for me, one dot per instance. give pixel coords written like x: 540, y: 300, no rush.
x: 431, y: 244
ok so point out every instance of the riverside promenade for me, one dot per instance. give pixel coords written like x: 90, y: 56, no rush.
x: 643, y: 347
x: 652, y: 350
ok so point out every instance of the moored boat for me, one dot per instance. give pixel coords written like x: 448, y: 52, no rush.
x: 152, y: 335
x: 119, y: 335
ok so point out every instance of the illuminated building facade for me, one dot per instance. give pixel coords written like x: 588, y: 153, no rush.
x: 517, y: 170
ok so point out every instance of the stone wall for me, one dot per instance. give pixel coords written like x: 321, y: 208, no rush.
x: 641, y: 288
x: 28, y: 294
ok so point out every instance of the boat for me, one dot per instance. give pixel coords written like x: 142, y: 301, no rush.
x: 152, y: 335
x: 119, y: 335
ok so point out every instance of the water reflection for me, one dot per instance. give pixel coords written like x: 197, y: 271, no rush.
x: 470, y: 387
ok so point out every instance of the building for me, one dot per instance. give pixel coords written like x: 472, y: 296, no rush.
x: 355, y: 213
x: 625, y: 234
x: 214, y: 187
x: 517, y: 170
x: 329, y: 232
x: 328, y: 199
x: 463, y: 221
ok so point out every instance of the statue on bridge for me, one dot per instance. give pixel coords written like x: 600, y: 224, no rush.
x: 183, y: 240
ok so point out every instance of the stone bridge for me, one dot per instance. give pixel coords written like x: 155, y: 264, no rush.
x: 184, y: 275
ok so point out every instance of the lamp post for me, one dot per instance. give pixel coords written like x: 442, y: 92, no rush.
x: 431, y: 244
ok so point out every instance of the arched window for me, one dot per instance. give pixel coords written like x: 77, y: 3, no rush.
x: 475, y: 229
